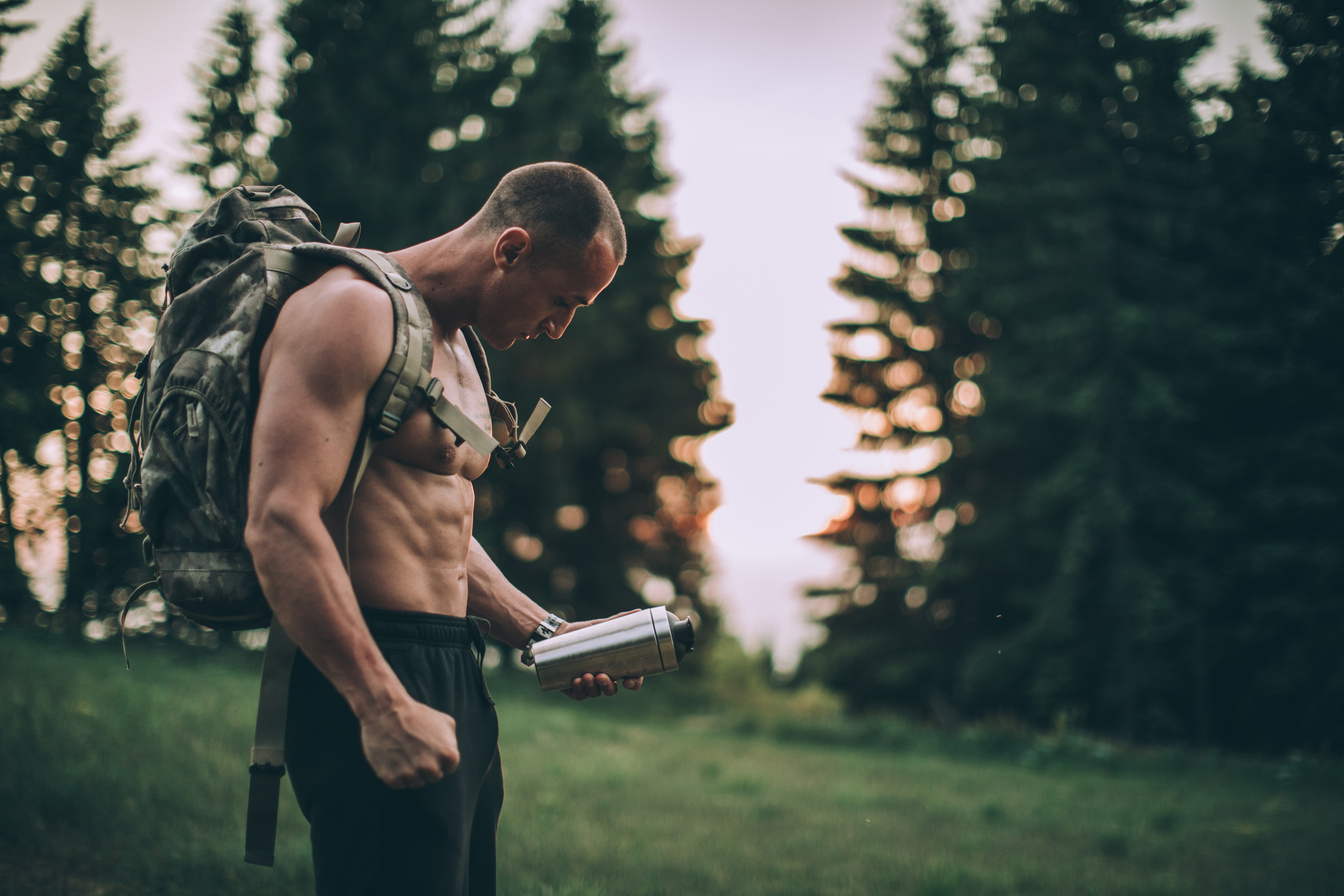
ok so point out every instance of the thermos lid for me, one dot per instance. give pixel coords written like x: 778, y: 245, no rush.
x: 683, y: 636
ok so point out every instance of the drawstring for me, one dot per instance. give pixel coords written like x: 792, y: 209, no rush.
x: 478, y: 648
x: 478, y: 639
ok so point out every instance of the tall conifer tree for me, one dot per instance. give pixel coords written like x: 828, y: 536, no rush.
x: 1081, y: 236
x: 76, y: 304
x: 610, y: 510
x: 373, y: 98
x: 906, y: 367
x: 13, y: 581
x: 1271, y: 461
x: 230, y: 145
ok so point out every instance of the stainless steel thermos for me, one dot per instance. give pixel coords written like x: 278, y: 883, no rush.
x: 645, y: 643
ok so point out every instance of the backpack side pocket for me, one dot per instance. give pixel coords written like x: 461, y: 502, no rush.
x: 195, y: 493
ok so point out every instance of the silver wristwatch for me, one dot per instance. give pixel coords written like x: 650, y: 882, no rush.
x: 547, y: 627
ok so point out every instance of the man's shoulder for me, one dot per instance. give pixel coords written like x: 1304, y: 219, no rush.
x: 338, y: 305
x: 339, y: 324
x: 341, y: 289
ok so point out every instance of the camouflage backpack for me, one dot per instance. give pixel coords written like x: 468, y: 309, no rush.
x: 228, y: 277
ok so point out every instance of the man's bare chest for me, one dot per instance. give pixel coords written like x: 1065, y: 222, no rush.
x: 423, y: 443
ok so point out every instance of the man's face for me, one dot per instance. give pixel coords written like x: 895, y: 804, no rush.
x: 538, y: 299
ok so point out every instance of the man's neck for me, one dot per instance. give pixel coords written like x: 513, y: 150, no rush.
x: 441, y: 269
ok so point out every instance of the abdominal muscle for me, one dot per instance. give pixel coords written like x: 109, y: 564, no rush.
x: 409, y: 537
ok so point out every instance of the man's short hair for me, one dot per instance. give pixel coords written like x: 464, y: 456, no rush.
x: 561, y: 206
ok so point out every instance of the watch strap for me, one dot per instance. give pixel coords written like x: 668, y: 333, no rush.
x: 545, y: 629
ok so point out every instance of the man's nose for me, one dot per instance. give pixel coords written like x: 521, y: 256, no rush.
x: 555, y: 326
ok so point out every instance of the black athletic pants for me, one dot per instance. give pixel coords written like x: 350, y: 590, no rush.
x: 367, y: 838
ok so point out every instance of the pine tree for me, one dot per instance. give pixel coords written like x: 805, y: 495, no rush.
x: 609, y: 511
x: 906, y: 367
x: 1308, y: 40
x: 374, y: 99
x: 76, y: 308
x: 1081, y: 236
x: 13, y: 581
x: 1306, y: 685
x: 1274, y: 288
x: 230, y: 147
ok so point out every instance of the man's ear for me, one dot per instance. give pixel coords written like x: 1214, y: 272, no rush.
x: 512, y: 246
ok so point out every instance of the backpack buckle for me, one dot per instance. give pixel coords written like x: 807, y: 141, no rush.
x: 388, y: 424
x: 433, y: 391
x: 506, y: 457
x: 518, y: 450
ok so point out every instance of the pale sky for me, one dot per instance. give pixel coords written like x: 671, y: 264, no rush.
x: 761, y: 102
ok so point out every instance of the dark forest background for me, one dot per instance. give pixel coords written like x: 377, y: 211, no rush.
x: 1095, y: 332
x: 1092, y: 345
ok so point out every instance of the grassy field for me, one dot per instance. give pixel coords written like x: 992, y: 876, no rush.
x: 115, y: 782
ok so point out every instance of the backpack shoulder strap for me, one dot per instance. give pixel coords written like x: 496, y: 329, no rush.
x: 408, y: 379
x: 267, y: 764
x: 499, y: 408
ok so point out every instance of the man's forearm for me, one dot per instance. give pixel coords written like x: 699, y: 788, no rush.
x: 513, y: 616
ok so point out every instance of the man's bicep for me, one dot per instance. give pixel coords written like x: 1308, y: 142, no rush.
x: 300, y: 446
x: 311, y: 410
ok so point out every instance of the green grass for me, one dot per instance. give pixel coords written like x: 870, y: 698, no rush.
x: 134, y: 783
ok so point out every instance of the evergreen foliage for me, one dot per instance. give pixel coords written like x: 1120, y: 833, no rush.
x: 1143, y: 527
x: 610, y: 510
x: 230, y: 144
x: 1308, y: 40
x: 372, y: 102
x: 1272, y: 460
x: 75, y: 290
x: 1081, y: 233
x: 13, y: 581
x: 906, y: 367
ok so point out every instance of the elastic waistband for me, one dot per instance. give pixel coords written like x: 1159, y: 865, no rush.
x: 423, y: 628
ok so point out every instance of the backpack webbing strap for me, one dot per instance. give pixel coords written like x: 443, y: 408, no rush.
x: 450, y: 416
x: 365, y: 453
x: 347, y: 234
x: 408, y: 371
x: 499, y: 408
x: 279, y: 258
x: 268, y: 748
x: 268, y: 743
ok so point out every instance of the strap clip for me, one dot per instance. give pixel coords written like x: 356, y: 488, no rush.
x: 388, y: 425
x: 433, y: 391
x: 506, y: 456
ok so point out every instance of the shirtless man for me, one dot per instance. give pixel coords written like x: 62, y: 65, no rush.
x: 391, y: 732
